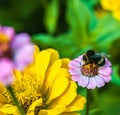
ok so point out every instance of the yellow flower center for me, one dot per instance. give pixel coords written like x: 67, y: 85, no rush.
x: 4, y: 46
x: 3, y: 38
x: 27, y: 91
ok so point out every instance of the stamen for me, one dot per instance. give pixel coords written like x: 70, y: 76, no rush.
x: 89, y: 70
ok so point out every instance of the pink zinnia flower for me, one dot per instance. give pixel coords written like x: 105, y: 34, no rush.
x: 90, y: 74
x: 16, y: 51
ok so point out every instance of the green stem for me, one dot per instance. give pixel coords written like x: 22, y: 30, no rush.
x: 88, y: 102
x: 9, y: 88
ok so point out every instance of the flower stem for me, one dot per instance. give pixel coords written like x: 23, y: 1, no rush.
x: 88, y: 102
x: 9, y: 88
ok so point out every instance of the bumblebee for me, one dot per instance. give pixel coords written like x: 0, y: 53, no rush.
x: 92, y: 57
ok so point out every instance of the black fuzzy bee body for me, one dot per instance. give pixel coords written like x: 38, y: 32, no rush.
x: 92, y: 57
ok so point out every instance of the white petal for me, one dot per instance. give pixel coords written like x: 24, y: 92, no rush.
x: 92, y: 83
x: 83, y: 81
x: 99, y: 81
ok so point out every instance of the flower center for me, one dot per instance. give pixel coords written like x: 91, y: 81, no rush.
x: 3, y: 38
x: 5, y: 46
x: 89, y: 70
x: 26, y: 101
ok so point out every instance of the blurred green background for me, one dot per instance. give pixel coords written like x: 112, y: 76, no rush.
x: 72, y: 27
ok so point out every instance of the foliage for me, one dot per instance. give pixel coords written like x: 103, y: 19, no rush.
x: 72, y: 27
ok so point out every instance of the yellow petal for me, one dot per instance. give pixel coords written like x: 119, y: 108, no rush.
x: 1, y: 113
x: 52, y: 75
x: 77, y: 104
x: 67, y: 97
x: 116, y: 14
x: 59, y: 86
x: 3, y: 100
x: 55, y: 111
x: 2, y: 87
x: 31, y: 113
x: 71, y: 113
x: 111, y: 5
x: 65, y: 62
x: 41, y: 64
x: 53, y: 71
x: 54, y: 66
x: 53, y: 55
x: 37, y: 103
x: 18, y: 75
x: 9, y: 109
x: 36, y: 51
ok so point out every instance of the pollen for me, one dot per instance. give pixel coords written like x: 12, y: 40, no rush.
x: 3, y: 38
x: 89, y: 70
x: 27, y: 92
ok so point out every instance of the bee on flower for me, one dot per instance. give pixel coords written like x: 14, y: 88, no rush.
x: 91, y: 69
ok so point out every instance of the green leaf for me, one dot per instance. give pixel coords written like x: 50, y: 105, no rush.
x: 62, y: 43
x: 78, y: 17
x: 51, y: 16
x: 106, y: 31
x: 115, y: 75
x: 43, y: 40
x: 108, y: 99
x: 97, y: 111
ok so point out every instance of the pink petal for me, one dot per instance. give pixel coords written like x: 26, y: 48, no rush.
x: 105, y: 70
x: 24, y: 56
x: 9, y: 32
x: 75, y: 77
x: 92, y: 83
x: 0, y: 28
x: 99, y: 81
x: 74, y: 71
x: 83, y: 81
x: 20, y: 40
x: 107, y: 62
x: 6, y: 68
x: 105, y: 78
x: 77, y: 60
x: 74, y: 64
x: 80, y: 57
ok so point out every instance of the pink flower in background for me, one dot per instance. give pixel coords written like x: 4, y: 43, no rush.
x: 91, y: 71
x: 23, y: 50
x: 16, y: 51
x: 6, y: 67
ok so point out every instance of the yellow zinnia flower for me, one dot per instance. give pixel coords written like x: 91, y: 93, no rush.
x: 110, y: 5
x: 116, y: 14
x: 113, y: 6
x: 43, y: 88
